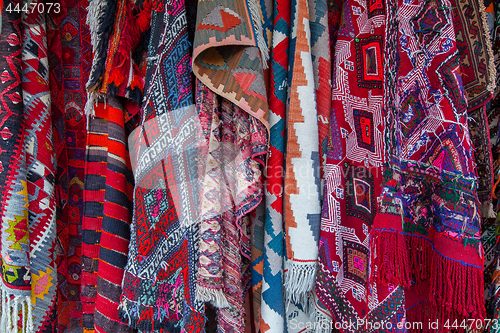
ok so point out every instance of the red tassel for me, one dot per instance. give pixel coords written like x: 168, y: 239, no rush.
x: 419, y: 318
x: 420, y: 255
x: 391, y: 258
x: 456, y: 290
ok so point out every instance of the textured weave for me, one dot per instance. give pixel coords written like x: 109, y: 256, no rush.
x: 400, y: 198
x: 14, y: 233
x: 159, y: 280
x: 231, y: 188
x: 70, y: 57
x: 226, y: 57
x: 302, y: 179
x: 272, y: 309
x: 116, y: 209
x: 39, y: 150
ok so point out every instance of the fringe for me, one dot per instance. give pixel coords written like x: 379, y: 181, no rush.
x: 419, y: 313
x: 10, y: 306
x: 322, y: 323
x: 144, y: 317
x: 215, y: 296
x: 420, y: 255
x: 486, y: 210
x: 390, y: 257
x: 299, y: 281
x: 456, y: 290
x: 491, y: 58
x: 256, y: 15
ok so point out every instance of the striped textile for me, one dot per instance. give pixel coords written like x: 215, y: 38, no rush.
x: 117, y: 209
x: 93, y: 213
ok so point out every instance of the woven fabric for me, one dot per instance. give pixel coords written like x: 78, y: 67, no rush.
x: 232, y: 187
x: 159, y: 281
x: 93, y: 213
x: 39, y: 150
x: 302, y: 179
x: 478, y: 78
x: 343, y: 288
x: 401, y: 207
x: 111, y: 176
x: 16, y: 279
x: 226, y: 53
x: 125, y: 65
x: 70, y: 58
x: 272, y: 308
x: 472, y: 40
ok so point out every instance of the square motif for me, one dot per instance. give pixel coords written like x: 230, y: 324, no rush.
x: 369, y: 58
x: 363, y: 123
x: 355, y: 262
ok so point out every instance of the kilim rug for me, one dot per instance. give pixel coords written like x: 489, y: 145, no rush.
x: 344, y: 290
x: 272, y: 309
x: 320, y: 54
x: 478, y: 78
x: 120, y: 77
x: 231, y: 188
x: 108, y: 172
x: 70, y: 58
x: 14, y: 232
x: 302, y: 179
x: 160, y: 276
x: 226, y: 53
x: 39, y: 150
x: 474, y: 46
x: 421, y: 227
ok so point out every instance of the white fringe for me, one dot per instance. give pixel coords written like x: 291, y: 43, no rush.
x: 9, y: 308
x: 299, y: 281
x: 322, y: 324
x: 256, y: 14
x: 215, y: 297
x: 486, y: 210
x: 491, y: 58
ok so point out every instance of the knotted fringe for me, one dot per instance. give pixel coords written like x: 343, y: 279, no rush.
x: 11, y: 307
x: 255, y: 13
x: 420, y: 314
x: 486, y: 210
x: 214, y: 296
x: 299, y: 281
x: 390, y: 257
x: 420, y: 255
x: 146, y: 318
x: 456, y: 290
x: 321, y: 323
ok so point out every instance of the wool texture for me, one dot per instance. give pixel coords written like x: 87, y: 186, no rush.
x: 15, y: 244
x: 70, y: 59
x: 226, y: 55
x: 272, y: 307
x: 158, y: 288
x: 231, y: 188
x: 40, y: 168
x: 302, y: 179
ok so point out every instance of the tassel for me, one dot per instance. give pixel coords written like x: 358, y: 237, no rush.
x: 299, y: 281
x: 420, y: 314
x: 390, y: 256
x: 456, y: 290
x: 215, y: 296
